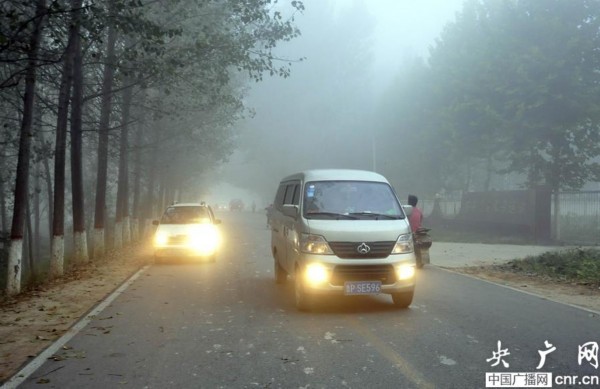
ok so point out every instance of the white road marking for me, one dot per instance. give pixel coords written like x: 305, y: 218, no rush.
x: 38, y: 361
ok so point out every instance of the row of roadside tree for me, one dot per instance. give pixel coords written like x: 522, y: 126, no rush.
x: 132, y: 100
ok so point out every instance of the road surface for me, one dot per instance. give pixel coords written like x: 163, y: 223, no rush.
x: 228, y: 325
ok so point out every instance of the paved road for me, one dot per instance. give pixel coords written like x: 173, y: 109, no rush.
x: 451, y: 255
x: 228, y: 325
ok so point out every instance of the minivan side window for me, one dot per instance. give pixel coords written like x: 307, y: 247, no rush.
x: 296, y: 198
x: 278, y: 203
x: 291, y: 194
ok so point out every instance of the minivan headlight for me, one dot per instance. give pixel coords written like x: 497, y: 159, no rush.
x: 316, y: 273
x: 404, y: 244
x: 314, y: 244
x: 405, y: 271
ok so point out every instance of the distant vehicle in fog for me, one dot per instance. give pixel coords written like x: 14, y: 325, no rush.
x: 236, y: 205
x: 187, y: 230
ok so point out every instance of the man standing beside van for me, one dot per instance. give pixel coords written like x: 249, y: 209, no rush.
x: 416, y: 217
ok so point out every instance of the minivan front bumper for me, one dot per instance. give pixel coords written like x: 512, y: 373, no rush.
x: 396, y: 273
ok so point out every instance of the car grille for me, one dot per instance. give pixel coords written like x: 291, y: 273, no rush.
x: 383, y: 273
x: 349, y: 250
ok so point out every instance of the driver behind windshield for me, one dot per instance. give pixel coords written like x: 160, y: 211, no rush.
x: 350, y: 198
x: 184, y: 215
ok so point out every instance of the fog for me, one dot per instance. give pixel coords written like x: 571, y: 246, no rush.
x: 322, y: 115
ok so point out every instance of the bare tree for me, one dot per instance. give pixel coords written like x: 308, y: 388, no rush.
x: 58, y: 221
x: 102, y: 172
x: 15, y: 257
x: 79, y: 236
x: 122, y: 221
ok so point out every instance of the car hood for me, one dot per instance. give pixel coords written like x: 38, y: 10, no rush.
x: 359, y: 230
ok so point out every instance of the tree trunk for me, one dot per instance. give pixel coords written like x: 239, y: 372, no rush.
x: 58, y: 221
x: 147, y: 211
x: 49, y: 192
x: 30, y: 244
x: 102, y: 172
x: 80, y: 249
x: 36, y: 213
x: 137, y: 174
x: 3, y: 213
x: 15, y: 258
x: 122, y: 227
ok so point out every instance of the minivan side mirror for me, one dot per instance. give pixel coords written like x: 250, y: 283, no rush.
x: 407, y: 209
x: 290, y: 210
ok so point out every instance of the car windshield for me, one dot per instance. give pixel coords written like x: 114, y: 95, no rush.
x: 185, y: 215
x: 358, y: 199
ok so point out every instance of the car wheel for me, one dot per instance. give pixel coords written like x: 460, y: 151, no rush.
x: 280, y: 273
x: 403, y: 299
x: 302, y: 298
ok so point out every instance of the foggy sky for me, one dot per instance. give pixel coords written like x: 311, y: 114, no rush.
x: 319, y: 117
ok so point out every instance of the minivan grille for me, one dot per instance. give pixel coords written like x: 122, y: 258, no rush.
x: 383, y: 273
x: 350, y: 250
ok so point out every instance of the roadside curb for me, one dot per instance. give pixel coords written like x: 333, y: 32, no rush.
x: 19, y: 377
x: 589, y: 310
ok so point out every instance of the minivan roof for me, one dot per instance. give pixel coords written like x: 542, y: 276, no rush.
x: 337, y: 175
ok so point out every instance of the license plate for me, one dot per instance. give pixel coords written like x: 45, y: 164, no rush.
x: 362, y: 287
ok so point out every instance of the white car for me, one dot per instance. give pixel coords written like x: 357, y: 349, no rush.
x: 187, y: 230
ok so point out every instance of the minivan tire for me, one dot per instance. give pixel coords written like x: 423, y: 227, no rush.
x: 302, y: 298
x: 280, y: 273
x: 403, y: 299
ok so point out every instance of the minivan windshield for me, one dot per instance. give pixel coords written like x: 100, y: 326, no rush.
x: 350, y: 200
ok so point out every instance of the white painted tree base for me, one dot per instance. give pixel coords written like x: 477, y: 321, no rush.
x: 15, y: 258
x: 57, y: 261
x: 80, y: 249
x: 118, y: 237
x: 126, y: 230
x: 99, y: 245
x: 135, y: 229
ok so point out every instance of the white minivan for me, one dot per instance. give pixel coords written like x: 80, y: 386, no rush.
x: 337, y: 231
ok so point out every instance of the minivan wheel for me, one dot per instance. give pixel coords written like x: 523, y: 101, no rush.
x: 403, y: 299
x: 280, y: 273
x: 302, y: 298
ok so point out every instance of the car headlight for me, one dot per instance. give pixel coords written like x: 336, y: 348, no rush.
x: 316, y: 273
x: 405, y: 272
x: 160, y: 239
x: 204, y: 239
x: 314, y: 244
x: 404, y: 244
